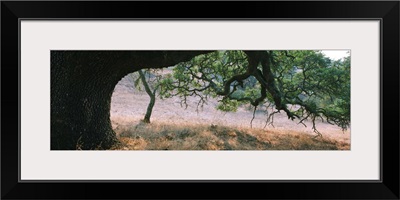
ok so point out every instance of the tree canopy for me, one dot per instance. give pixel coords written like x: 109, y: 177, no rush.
x: 304, y: 84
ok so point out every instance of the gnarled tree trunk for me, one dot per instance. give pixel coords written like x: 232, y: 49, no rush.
x: 82, y: 83
x: 152, y: 95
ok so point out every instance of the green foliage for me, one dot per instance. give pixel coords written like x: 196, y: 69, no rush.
x: 203, y: 74
x: 320, y: 86
x: 228, y: 105
x: 166, y: 85
x: 323, y: 84
x: 238, y: 94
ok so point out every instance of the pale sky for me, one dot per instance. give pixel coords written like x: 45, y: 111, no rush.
x: 336, y: 54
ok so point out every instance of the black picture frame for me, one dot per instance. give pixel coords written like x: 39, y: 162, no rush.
x: 386, y: 11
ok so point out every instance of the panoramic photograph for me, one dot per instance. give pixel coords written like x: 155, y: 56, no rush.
x: 200, y: 100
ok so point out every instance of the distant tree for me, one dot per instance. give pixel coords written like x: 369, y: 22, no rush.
x: 151, y: 83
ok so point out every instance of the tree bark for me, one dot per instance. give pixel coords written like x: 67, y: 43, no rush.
x: 82, y: 83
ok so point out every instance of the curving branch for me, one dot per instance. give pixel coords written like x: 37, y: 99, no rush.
x: 280, y: 81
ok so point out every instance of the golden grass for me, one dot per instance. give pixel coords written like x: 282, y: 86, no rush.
x: 160, y: 136
x: 176, y: 128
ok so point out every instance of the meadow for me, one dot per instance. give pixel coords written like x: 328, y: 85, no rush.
x: 173, y: 127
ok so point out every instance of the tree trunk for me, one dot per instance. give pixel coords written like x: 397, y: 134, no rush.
x: 82, y: 83
x: 152, y: 95
x: 149, y: 109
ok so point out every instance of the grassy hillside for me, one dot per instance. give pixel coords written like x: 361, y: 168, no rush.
x: 157, y: 136
x: 176, y: 128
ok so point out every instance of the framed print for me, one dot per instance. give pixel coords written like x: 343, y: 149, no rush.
x: 284, y: 95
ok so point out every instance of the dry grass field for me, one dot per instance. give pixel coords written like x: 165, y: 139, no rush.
x: 175, y: 128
